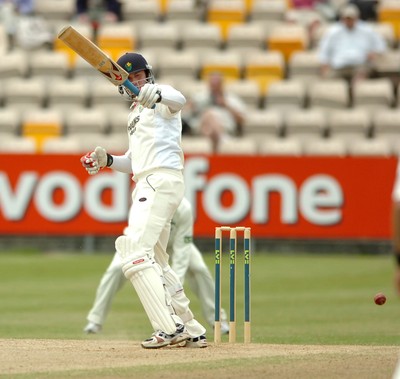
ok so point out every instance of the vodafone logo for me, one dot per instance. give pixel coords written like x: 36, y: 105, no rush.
x: 38, y: 191
x: 319, y: 199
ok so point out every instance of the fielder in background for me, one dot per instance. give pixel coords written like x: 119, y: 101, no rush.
x: 155, y: 157
x: 396, y: 227
x: 187, y: 262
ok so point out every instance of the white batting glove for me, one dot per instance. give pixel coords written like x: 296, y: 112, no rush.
x: 95, y: 160
x: 149, y: 95
x: 125, y: 93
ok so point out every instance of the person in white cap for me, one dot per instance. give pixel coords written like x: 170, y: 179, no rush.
x: 350, y: 47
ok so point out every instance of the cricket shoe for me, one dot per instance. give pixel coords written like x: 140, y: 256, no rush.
x: 92, y: 328
x: 195, y: 342
x: 161, y: 339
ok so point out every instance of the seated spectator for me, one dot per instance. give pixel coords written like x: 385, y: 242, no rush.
x: 98, y: 11
x: 216, y: 113
x: 350, y: 47
x: 24, y: 29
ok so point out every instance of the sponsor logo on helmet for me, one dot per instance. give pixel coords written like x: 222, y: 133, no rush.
x: 128, y: 66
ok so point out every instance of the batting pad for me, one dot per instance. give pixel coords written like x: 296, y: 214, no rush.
x: 145, y: 276
x: 180, y: 303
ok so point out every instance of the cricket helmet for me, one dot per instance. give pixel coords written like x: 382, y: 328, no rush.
x: 134, y: 62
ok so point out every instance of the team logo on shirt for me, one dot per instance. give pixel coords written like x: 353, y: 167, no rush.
x: 132, y: 125
x: 188, y: 239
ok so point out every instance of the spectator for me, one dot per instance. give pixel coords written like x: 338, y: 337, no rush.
x: 98, y: 11
x: 217, y: 114
x: 24, y: 29
x: 350, y: 47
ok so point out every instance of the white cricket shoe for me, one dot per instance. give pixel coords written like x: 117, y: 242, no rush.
x: 197, y: 342
x: 92, y: 328
x: 161, y: 339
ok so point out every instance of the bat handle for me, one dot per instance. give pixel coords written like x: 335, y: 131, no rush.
x: 131, y: 87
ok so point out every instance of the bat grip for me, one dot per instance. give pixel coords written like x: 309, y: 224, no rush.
x: 131, y: 87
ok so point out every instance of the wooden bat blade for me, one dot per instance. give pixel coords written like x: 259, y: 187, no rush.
x: 95, y: 57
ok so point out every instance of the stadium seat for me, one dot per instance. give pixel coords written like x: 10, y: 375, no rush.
x: 229, y: 64
x: 387, y: 64
x: 288, y: 38
x: 265, y: 68
x: 182, y: 12
x: 245, y: 38
x: 226, y: 13
x: 182, y: 64
x: 386, y: 124
x: 196, y: 145
x: 286, y: 95
x: 55, y: 10
x: 14, y: 64
x: 349, y: 124
x: 247, y: 90
x: 238, y: 146
x: 117, y: 38
x: 62, y: 145
x: 159, y: 36
x: 370, y: 147
x: 104, y: 95
x: 140, y: 13
x: 267, y: 10
x: 10, y: 121
x: 325, y: 147
x: 93, y: 121
x: 263, y: 123
x: 49, y: 64
x: 42, y: 124
x: 304, y: 65
x: 24, y: 94
x: 280, y: 146
x: 4, y: 41
x: 118, y: 122
x: 18, y: 145
x: 389, y: 12
x: 373, y: 94
x: 68, y: 94
x: 329, y: 94
x: 201, y: 37
x: 305, y: 124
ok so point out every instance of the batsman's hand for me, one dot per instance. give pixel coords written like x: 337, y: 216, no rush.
x: 125, y: 93
x: 149, y: 95
x: 95, y: 160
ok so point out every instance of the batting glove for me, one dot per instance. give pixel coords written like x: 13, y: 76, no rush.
x: 96, y: 160
x: 125, y: 93
x: 149, y: 95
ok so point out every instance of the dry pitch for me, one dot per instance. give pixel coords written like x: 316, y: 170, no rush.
x: 109, y: 359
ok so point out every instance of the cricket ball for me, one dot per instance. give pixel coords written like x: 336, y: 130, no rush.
x: 380, y: 298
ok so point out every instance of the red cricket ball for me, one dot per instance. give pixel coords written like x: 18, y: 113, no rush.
x: 380, y: 298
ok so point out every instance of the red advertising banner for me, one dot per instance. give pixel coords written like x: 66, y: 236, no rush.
x: 278, y: 197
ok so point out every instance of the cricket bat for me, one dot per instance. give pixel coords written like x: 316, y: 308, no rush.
x: 96, y: 58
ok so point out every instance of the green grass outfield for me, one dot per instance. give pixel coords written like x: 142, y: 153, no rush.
x: 296, y: 299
